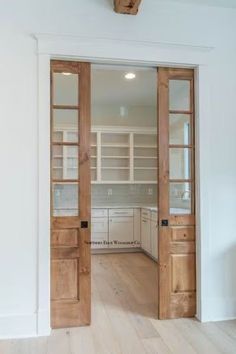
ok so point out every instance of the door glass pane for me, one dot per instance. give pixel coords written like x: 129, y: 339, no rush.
x: 65, y: 89
x: 65, y: 199
x: 180, y: 198
x: 179, y: 95
x: 180, y: 163
x: 65, y: 162
x: 65, y: 125
x: 179, y: 129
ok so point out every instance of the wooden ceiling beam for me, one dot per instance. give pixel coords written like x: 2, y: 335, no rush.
x: 128, y: 7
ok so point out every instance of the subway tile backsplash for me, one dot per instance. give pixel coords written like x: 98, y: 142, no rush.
x: 116, y: 194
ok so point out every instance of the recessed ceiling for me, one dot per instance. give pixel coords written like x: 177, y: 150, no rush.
x: 109, y: 86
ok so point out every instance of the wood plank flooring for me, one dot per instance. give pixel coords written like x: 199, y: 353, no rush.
x: 124, y: 318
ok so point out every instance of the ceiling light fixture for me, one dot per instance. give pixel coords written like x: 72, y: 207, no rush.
x: 130, y: 76
x: 66, y: 74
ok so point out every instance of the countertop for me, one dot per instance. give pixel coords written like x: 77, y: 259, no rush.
x: 180, y: 211
x: 126, y: 206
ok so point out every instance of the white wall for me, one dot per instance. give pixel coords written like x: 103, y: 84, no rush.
x: 158, y: 21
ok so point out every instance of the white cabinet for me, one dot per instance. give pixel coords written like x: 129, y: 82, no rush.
x: 121, y: 232
x: 99, y: 228
x: 146, y: 234
x: 154, y: 235
x: 137, y: 228
x: 149, y: 232
x: 125, y: 228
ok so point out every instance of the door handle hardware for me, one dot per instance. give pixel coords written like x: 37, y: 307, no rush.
x: 84, y: 224
x: 164, y: 222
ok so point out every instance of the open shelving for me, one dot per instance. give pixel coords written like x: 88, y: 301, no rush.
x: 119, y: 155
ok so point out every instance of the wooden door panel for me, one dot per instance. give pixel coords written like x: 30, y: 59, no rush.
x: 65, y: 284
x: 70, y: 194
x: 183, y: 272
x: 64, y: 238
x: 177, y: 248
x: 182, y: 305
x: 182, y: 247
x: 183, y: 233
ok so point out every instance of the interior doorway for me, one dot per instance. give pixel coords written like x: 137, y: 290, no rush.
x: 132, y: 162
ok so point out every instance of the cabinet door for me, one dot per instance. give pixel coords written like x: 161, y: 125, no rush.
x: 146, y: 235
x: 154, y: 239
x: 137, y: 228
x: 121, y: 232
x: 99, y: 240
x: 99, y: 234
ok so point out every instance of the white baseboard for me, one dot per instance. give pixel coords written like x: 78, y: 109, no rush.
x: 18, y: 326
x: 25, y: 325
x: 43, y: 325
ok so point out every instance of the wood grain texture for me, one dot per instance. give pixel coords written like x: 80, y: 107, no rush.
x: 127, y: 7
x: 70, y: 243
x: 64, y: 238
x: 177, y: 265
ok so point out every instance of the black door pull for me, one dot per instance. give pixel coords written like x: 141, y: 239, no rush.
x: 84, y: 224
x: 164, y: 222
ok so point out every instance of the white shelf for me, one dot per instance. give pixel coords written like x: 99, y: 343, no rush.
x: 146, y: 146
x: 145, y: 157
x: 145, y: 168
x: 110, y: 144
x: 115, y: 157
x: 115, y: 168
x: 115, y: 145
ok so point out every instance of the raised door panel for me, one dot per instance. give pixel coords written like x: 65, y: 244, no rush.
x: 183, y: 272
x: 64, y: 238
x: 65, y: 279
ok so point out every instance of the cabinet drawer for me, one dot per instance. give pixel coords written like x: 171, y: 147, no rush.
x: 145, y: 213
x: 97, y: 213
x: 121, y: 212
x: 99, y: 225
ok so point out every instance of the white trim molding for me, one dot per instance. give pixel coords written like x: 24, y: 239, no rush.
x: 115, y: 51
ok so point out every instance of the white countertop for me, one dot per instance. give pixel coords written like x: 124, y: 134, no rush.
x: 141, y: 206
x: 126, y: 206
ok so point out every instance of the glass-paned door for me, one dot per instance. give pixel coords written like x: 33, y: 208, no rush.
x: 70, y: 194
x: 176, y: 181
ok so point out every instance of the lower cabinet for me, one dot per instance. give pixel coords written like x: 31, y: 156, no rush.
x: 121, y: 232
x: 146, y: 234
x: 125, y: 228
x: 149, y: 232
x: 99, y: 234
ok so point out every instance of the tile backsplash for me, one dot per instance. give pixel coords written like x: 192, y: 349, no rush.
x: 124, y: 194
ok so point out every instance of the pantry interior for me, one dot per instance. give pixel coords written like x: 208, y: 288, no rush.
x: 124, y: 159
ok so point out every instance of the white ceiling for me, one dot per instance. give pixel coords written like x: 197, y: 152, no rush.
x: 220, y: 3
x: 109, y: 86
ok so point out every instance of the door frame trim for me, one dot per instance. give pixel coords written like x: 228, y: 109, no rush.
x: 116, y: 51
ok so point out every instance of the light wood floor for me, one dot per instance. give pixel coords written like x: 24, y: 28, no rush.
x: 124, y: 308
